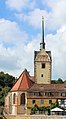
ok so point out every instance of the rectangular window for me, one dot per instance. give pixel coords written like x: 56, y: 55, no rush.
x: 63, y: 94
x: 36, y: 93
x: 48, y: 94
x: 43, y: 65
x: 59, y: 94
x: 33, y: 101
x: 62, y: 101
x: 41, y: 101
x: 50, y: 101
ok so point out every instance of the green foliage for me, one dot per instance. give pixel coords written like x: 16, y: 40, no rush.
x: 59, y: 81
x: 53, y: 81
x: 56, y: 104
x: 52, y: 106
x: 64, y: 81
x: 43, y: 108
x: 35, y: 108
x: 39, y: 109
x: 6, y: 83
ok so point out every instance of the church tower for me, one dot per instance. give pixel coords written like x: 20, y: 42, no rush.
x: 42, y: 62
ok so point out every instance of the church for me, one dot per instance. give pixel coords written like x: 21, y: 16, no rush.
x: 29, y: 91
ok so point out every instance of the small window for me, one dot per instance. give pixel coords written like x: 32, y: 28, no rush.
x: 63, y: 94
x: 62, y: 101
x: 22, y: 99
x: 50, y: 101
x: 36, y: 93
x: 41, y: 101
x: 14, y: 98
x: 41, y: 75
x: 43, y: 65
x: 33, y: 101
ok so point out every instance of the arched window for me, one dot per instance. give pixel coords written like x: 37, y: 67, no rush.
x: 14, y: 98
x: 22, y: 98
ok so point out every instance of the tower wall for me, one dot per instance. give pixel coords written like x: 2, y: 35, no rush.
x: 42, y: 68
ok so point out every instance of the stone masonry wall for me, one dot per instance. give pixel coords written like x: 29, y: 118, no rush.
x: 35, y: 117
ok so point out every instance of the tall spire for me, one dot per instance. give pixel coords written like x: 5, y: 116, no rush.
x: 42, y: 44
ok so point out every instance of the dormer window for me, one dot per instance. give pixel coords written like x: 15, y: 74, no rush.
x: 43, y: 65
x: 36, y: 93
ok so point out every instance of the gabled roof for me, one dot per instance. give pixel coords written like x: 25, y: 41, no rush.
x: 48, y: 87
x: 24, y: 82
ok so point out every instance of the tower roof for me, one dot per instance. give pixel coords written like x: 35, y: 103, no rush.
x: 24, y: 82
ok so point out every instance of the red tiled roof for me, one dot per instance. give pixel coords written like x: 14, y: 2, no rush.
x: 48, y: 87
x: 24, y: 82
x: 32, y: 78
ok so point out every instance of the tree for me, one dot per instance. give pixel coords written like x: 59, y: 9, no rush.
x: 53, y: 81
x: 59, y: 81
x: 34, y: 109
x: 65, y: 82
x: 6, y: 83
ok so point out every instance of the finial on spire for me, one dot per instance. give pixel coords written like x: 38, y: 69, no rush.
x: 43, y: 18
x: 42, y: 44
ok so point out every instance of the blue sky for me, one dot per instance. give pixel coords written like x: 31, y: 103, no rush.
x: 20, y: 34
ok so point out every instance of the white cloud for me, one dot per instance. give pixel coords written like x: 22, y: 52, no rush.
x: 12, y: 40
x: 33, y: 17
x: 15, y: 53
x: 57, y: 44
x: 15, y: 59
x: 19, y: 5
x: 55, y: 16
x: 10, y: 33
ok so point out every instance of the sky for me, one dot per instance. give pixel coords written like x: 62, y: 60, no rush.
x: 20, y: 34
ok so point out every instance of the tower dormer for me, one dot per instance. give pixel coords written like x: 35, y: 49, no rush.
x: 42, y: 62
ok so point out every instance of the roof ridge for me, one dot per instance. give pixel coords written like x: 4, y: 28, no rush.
x: 28, y: 78
x: 21, y: 81
x: 25, y: 71
x: 24, y: 82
